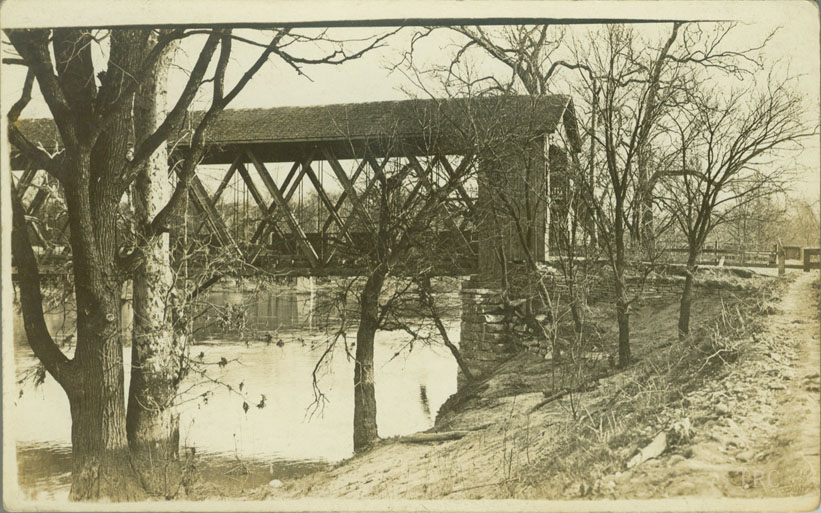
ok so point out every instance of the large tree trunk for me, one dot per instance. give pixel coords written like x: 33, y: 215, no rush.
x: 364, y: 410
x: 156, y: 350
x: 102, y: 467
x: 686, y: 298
x: 93, y: 380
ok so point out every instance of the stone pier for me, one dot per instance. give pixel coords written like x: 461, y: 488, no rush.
x: 490, y: 332
x: 486, y: 335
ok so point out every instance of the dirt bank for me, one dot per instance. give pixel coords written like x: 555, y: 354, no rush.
x: 736, y: 407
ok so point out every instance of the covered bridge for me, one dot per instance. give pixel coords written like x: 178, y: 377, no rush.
x: 518, y: 143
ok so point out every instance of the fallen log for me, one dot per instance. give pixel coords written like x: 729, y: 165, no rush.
x: 444, y: 436
x: 584, y: 387
x: 558, y: 395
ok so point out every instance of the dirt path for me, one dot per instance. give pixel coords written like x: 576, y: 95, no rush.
x: 793, y: 468
x: 756, y: 432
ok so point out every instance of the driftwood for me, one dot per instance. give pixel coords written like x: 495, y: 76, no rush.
x: 443, y: 436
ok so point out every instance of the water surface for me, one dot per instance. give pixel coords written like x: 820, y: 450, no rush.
x: 289, y: 429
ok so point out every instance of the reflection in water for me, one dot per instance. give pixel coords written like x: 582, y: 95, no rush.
x: 424, y: 401
x: 275, y: 379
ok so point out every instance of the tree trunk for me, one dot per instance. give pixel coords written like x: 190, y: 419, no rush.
x: 623, y: 319
x: 93, y: 380
x: 686, y: 299
x: 102, y: 467
x: 622, y: 304
x: 426, y: 294
x: 648, y: 223
x: 364, y: 411
x: 157, y: 352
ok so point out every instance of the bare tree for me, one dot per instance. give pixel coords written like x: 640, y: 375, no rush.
x: 726, y: 144
x: 94, y: 115
x: 93, y: 118
x: 399, y: 232
x: 622, y: 86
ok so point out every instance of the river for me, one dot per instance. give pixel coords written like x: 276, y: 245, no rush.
x: 286, y: 432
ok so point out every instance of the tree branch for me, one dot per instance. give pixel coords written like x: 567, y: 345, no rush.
x: 35, y: 155
x: 32, y: 45
x: 171, y: 123
x: 31, y: 301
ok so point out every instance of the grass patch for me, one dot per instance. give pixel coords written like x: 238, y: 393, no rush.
x: 630, y: 408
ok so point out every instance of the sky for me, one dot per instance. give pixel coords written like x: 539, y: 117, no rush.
x: 794, y: 50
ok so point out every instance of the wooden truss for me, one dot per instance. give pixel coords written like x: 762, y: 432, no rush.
x: 280, y: 238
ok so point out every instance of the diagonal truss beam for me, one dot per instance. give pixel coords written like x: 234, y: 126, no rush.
x: 413, y: 163
x: 358, y: 209
x: 266, y: 223
x: 324, y: 197
x: 282, y: 206
x: 467, y: 160
x: 37, y: 201
x: 220, y: 189
x: 25, y: 181
x: 378, y: 170
x: 461, y: 168
x: 252, y: 188
x: 344, y: 195
x: 423, y: 178
x: 215, y: 222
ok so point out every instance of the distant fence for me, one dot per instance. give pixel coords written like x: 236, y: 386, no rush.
x: 812, y: 258
x: 719, y: 256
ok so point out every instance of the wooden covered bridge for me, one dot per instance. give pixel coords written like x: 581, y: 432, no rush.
x: 291, y: 189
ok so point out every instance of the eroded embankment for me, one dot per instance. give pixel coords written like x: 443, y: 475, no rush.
x: 710, y: 404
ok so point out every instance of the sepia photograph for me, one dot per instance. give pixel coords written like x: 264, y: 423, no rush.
x: 411, y: 256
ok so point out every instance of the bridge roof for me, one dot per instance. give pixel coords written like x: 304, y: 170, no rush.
x: 281, y: 133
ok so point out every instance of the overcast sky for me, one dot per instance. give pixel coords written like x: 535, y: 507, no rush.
x: 794, y: 50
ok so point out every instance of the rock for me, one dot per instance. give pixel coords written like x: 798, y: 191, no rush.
x: 683, y: 429
x: 722, y: 409
x: 276, y: 483
x: 761, y: 456
x: 744, y: 456
x: 654, y: 449
x: 675, y: 460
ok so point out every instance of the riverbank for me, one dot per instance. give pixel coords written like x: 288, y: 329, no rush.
x: 733, y: 412
x: 703, y: 415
